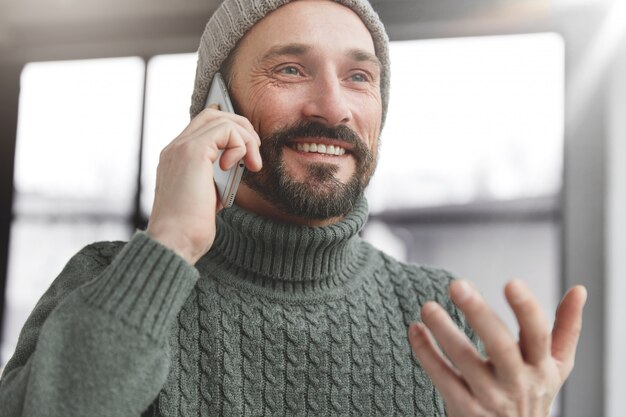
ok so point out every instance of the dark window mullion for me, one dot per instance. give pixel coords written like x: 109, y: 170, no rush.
x: 10, y: 93
x: 139, y: 221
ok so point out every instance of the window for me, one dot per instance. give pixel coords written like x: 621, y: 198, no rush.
x: 75, y: 171
x: 472, y: 119
x: 168, y: 96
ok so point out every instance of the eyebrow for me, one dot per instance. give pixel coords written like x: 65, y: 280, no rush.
x: 288, y: 49
x: 364, y: 56
x: 299, y: 49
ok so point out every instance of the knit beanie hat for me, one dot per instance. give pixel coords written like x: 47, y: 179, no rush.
x: 233, y: 18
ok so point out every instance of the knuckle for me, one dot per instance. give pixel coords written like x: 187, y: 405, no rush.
x: 518, y: 382
x: 210, y: 110
x: 501, y: 405
x: 529, y: 398
x: 247, y: 122
x: 463, y: 350
x: 539, y: 394
x: 223, y: 124
x: 252, y: 141
x: 503, y: 347
x: 192, y: 150
x: 244, y: 120
x: 165, y: 155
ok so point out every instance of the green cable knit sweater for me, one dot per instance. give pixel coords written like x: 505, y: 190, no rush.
x: 276, y: 320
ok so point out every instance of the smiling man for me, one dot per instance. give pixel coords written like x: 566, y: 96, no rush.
x: 316, y: 103
x: 275, y: 306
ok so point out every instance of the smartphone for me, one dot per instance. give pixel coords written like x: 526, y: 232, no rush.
x: 227, y: 181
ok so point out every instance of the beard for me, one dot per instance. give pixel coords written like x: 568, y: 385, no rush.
x: 321, y: 195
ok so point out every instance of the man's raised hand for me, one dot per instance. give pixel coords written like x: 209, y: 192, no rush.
x: 517, y: 378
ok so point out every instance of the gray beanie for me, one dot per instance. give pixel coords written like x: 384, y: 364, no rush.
x: 234, y: 18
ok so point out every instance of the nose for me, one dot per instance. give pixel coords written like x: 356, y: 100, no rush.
x: 327, y: 102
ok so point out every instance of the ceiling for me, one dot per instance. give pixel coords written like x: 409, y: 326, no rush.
x: 57, y: 29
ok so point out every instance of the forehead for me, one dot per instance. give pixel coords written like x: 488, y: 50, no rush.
x: 318, y: 23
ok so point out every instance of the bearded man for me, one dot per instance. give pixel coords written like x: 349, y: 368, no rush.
x: 275, y: 306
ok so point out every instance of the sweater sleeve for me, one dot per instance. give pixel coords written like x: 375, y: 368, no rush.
x: 96, y: 343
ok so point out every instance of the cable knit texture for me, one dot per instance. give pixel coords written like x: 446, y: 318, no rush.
x: 276, y: 320
x: 301, y: 321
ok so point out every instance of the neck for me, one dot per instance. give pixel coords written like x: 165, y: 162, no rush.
x: 250, y: 200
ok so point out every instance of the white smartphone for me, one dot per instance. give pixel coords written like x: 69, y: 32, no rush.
x: 227, y: 181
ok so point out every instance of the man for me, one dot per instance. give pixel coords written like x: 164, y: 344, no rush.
x: 285, y: 310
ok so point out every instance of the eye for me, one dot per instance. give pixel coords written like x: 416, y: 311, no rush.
x: 359, y: 77
x: 289, y: 70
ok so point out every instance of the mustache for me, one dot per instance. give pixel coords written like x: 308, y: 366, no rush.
x: 311, y: 129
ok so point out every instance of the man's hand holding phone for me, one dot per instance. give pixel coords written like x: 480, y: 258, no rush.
x: 226, y: 180
x: 186, y: 201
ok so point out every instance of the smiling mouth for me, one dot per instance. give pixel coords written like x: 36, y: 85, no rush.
x: 319, y: 148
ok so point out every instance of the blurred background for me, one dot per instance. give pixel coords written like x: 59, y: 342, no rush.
x: 503, y: 155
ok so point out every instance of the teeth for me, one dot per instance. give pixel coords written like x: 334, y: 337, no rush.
x: 320, y: 148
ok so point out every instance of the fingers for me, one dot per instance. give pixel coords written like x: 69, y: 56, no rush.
x: 221, y: 133
x: 524, y: 376
x: 236, y: 142
x: 534, y: 330
x: 211, y: 112
x: 459, y: 349
x: 445, y: 378
x: 501, y: 347
x: 567, y: 327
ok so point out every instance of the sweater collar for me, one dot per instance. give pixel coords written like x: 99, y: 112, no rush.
x: 288, y: 252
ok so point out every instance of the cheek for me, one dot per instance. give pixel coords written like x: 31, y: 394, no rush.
x: 367, y: 115
x: 269, y: 107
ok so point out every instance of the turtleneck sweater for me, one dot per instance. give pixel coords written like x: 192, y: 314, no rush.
x: 275, y: 320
